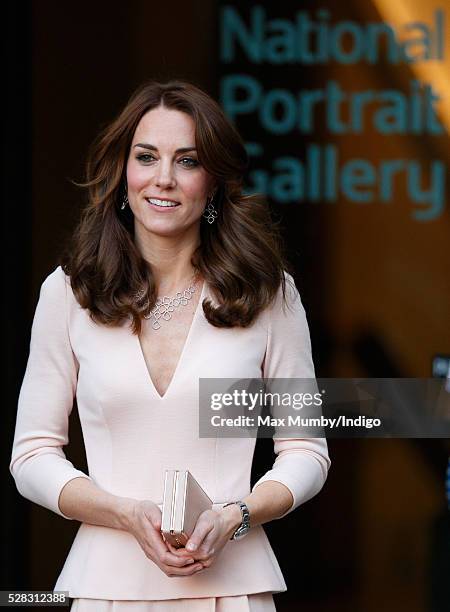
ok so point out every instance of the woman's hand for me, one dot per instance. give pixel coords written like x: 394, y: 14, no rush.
x: 144, y: 522
x: 213, y: 530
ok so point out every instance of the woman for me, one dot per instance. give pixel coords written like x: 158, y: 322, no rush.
x: 166, y: 214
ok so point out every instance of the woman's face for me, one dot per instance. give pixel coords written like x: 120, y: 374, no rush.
x: 167, y: 186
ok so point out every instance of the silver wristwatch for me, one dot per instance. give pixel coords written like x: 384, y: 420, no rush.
x: 244, y: 527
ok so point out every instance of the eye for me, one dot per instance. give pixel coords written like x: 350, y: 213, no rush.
x: 192, y: 162
x: 144, y: 157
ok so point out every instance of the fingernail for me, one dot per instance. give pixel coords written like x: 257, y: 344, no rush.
x: 190, y: 561
x: 191, y: 546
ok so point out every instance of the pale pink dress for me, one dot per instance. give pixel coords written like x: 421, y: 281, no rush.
x: 132, y: 435
x: 258, y: 602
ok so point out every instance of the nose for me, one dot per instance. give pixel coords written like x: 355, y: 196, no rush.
x: 164, y: 175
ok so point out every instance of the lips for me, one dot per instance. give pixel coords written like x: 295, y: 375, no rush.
x: 163, y: 203
x: 167, y: 201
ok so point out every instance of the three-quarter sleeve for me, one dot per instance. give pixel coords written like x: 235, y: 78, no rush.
x: 301, y: 464
x: 38, y: 463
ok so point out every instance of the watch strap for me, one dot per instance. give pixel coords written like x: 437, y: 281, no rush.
x: 245, y: 524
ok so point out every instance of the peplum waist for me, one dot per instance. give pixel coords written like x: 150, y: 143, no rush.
x: 106, y: 563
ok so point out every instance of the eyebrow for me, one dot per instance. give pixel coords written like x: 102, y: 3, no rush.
x: 151, y: 147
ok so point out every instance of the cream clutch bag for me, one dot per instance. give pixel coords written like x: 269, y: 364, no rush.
x: 183, y: 502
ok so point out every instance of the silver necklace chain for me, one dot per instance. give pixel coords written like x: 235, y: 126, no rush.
x: 165, y: 305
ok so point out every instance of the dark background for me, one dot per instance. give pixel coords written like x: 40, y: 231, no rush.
x: 374, y: 283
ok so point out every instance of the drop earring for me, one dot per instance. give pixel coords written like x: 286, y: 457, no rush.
x: 125, y: 202
x: 210, y: 213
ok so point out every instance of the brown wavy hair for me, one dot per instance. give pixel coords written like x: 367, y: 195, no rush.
x: 239, y: 255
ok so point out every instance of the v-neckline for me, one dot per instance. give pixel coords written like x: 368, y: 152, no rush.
x: 183, y: 350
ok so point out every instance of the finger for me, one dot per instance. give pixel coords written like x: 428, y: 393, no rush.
x: 182, y: 552
x: 154, y: 519
x: 207, y: 548
x: 188, y: 570
x: 167, y: 557
x: 196, y: 555
x: 199, y: 534
x: 154, y: 516
x: 200, y: 554
x: 170, y: 546
x: 209, y: 543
